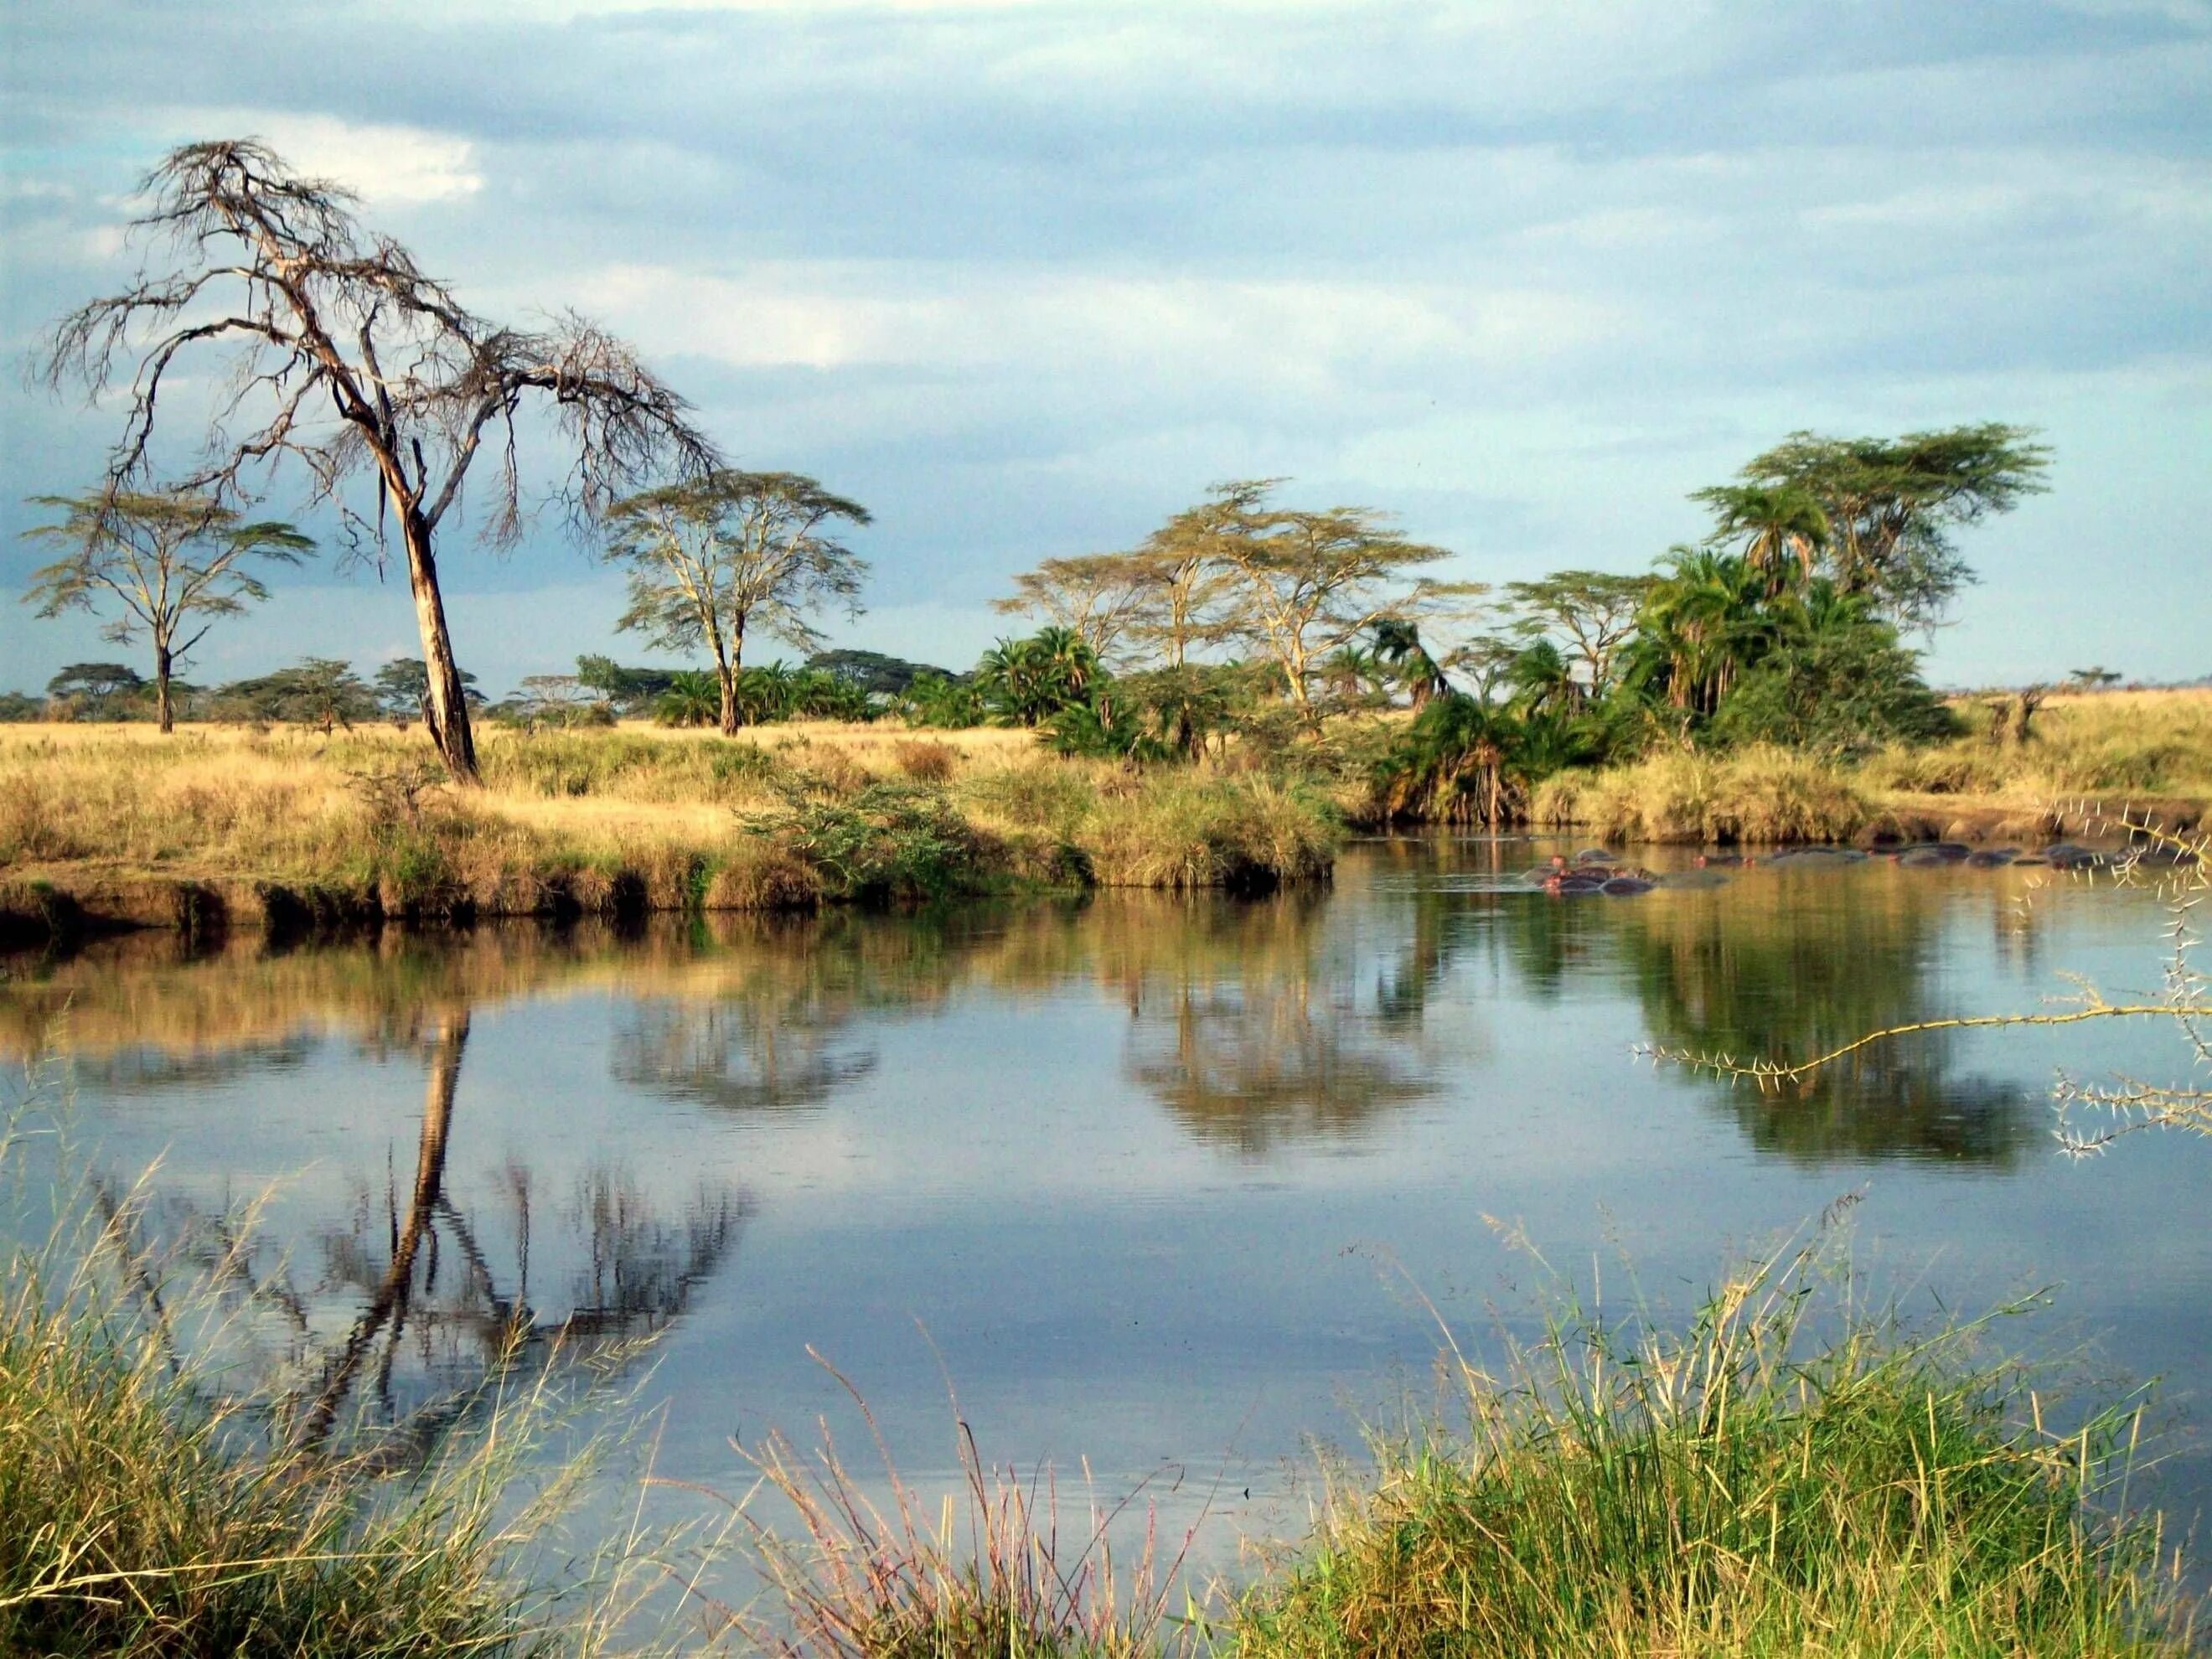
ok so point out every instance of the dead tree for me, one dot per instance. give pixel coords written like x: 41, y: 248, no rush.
x: 343, y: 356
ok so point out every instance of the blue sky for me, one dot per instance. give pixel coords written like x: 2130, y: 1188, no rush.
x: 1024, y: 278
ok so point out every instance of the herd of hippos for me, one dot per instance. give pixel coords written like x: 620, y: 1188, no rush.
x: 1597, y: 871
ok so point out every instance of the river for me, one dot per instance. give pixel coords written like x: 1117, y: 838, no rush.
x: 1172, y: 1186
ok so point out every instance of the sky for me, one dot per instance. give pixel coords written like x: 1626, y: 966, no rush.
x: 1026, y: 278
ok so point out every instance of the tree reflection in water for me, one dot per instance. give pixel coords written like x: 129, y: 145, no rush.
x: 1255, y: 1034
x: 1778, y: 964
x: 429, y: 1316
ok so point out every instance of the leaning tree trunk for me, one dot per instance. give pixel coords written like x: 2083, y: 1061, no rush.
x: 447, y: 706
x: 164, y: 710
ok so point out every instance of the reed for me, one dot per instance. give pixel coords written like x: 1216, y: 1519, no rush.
x: 361, y: 824
x: 994, y: 1574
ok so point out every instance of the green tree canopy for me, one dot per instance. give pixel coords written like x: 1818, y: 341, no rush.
x: 871, y: 671
x: 630, y: 690
x: 317, y: 691
x: 401, y: 683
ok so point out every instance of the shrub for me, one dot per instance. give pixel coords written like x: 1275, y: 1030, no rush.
x: 926, y: 762
x: 888, y: 840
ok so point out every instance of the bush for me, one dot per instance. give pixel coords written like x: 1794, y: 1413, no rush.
x: 929, y: 762
x: 889, y: 841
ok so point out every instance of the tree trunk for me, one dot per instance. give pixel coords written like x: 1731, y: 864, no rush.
x: 728, y: 677
x: 164, y: 713
x: 730, y: 664
x: 446, y: 708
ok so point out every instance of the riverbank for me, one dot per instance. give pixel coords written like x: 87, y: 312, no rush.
x: 218, y: 829
x: 222, y: 828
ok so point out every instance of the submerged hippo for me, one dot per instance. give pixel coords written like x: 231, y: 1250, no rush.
x: 1626, y: 887
x: 2066, y: 855
x: 1692, y: 879
x: 1930, y: 854
x: 1596, y: 855
x: 1817, y: 857
x: 1719, y: 860
x: 1993, y: 858
x: 1568, y: 883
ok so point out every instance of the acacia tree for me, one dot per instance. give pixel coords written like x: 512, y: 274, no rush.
x: 167, y: 559
x: 1182, y: 586
x: 1301, y: 586
x: 1094, y: 596
x: 340, y: 355
x: 1594, y: 611
x: 716, y: 556
x: 1890, y: 505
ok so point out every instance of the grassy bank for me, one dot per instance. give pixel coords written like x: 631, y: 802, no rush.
x: 229, y: 825
x: 2150, y: 749
x: 1742, y: 1487
x: 1785, y: 1475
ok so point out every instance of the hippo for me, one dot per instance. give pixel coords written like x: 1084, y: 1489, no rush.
x: 1575, y: 882
x: 1719, y: 860
x: 1817, y: 856
x: 2068, y: 855
x: 1693, y: 879
x: 1626, y: 887
x: 1595, y: 856
x: 1993, y: 858
x: 1923, y: 858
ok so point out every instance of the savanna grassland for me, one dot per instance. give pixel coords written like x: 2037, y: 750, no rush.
x: 135, y: 827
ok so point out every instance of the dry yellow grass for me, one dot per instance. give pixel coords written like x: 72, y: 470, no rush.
x: 115, y: 818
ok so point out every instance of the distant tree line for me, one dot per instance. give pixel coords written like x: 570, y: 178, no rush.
x: 1244, y: 616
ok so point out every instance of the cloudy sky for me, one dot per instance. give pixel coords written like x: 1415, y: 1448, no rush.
x: 1024, y: 278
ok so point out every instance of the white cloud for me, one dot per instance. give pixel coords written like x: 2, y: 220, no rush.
x: 388, y: 166
x: 1299, y: 331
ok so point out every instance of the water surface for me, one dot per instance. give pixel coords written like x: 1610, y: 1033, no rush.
x: 1168, y: 1185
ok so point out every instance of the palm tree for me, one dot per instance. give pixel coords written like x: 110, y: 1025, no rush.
x: 694, y: 697
x: 1398, y: 643
x: 1704, y: 623
x: 1542, y: 680
x: 764, y: 694
x: 1456, y: 761
x: 1783, y: 529
x: 1027, y: 682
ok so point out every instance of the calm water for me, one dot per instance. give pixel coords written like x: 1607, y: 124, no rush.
x: 1147, y: 1180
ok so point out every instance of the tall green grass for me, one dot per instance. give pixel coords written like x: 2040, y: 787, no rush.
x: 1754, y: 1485
x: 152, y: 1505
